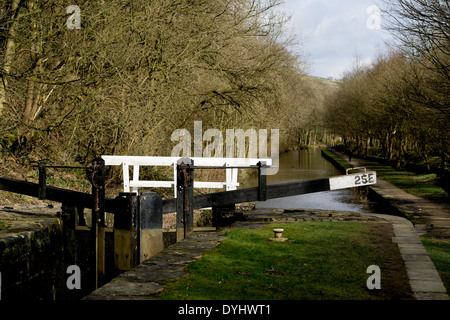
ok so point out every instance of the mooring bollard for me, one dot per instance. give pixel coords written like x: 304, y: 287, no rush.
x: 278, y: 237
x: 278, y: 233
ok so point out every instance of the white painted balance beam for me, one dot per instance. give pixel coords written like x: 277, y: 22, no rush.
x: 137, y: 161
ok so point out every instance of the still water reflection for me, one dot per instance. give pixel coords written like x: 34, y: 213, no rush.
x: 309, y: 164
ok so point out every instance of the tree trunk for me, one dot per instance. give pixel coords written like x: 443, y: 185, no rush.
x: 34, y: 89
x: 367, y: 146
x: 8, y: 54
x: 389, y: 147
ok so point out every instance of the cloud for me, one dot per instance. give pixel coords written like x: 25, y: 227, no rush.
x: 335, y: 32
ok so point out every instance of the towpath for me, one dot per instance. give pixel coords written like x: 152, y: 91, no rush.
x: 434, y: 217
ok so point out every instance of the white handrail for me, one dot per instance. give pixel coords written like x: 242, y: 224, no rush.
x: 137, y: 161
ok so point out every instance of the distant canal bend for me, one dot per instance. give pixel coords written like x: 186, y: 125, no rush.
x: 309, y: 164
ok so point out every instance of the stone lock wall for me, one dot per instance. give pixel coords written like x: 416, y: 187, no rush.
x: 36, y: 249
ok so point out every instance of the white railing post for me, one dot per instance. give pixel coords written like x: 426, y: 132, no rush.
x: 135, y: 177
x: 126, y: 177
x: 234, y: 177
x: 175, y: 184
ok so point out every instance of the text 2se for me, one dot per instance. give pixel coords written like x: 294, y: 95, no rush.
x: 364, y: 179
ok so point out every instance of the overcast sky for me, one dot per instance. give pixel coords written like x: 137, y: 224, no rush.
x: 334, y: 32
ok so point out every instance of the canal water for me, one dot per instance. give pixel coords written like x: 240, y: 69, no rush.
x: 309, y: 164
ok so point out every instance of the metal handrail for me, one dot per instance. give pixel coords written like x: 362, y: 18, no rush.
x: 346, y: 171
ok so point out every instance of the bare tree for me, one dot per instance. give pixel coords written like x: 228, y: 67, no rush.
x: 8, y: 26
x: 136, y: 70
x: 422, y: 28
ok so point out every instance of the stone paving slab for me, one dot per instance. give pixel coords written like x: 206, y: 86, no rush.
x: 409, y: 251
x: 420, y: 265
x: 142, y: 282
x: 427, y: 286
x: 421, y: 274
x: 19, y: 219
x: 424, y: 279
x: 411, y: 246
x: 133, y: 290
x: 406, y: 239
x: 416, y: 257
x: 431, y: 296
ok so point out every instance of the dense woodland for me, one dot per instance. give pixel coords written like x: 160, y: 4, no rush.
x: 137, y: 70
x: 398, y: 107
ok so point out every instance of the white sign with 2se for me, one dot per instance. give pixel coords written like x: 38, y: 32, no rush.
x: 353, y: 180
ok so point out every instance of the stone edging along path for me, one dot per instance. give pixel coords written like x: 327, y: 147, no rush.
x: 424, y: 279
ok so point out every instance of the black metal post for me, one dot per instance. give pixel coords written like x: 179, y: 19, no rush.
x: 98, y: 190
x: 42, y: 180
x: 262, y: 181
x: 97, y: 178
x: 185, y: 197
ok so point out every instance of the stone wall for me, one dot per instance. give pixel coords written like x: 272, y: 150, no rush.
x: 36, y: 249
x: 30, y: 262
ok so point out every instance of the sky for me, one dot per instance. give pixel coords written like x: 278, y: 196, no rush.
x: 334, y: 34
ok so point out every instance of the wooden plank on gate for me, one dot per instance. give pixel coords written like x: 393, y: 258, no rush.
x: 80, y: 199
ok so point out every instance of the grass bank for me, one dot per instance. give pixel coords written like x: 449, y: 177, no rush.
x: 439, y: 252
x: 323, y: 261
x: 339, y: 163
x: 422, y: 185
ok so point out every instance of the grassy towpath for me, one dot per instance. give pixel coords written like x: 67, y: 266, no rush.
x: 420, y: 200
x: 415, y: 195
